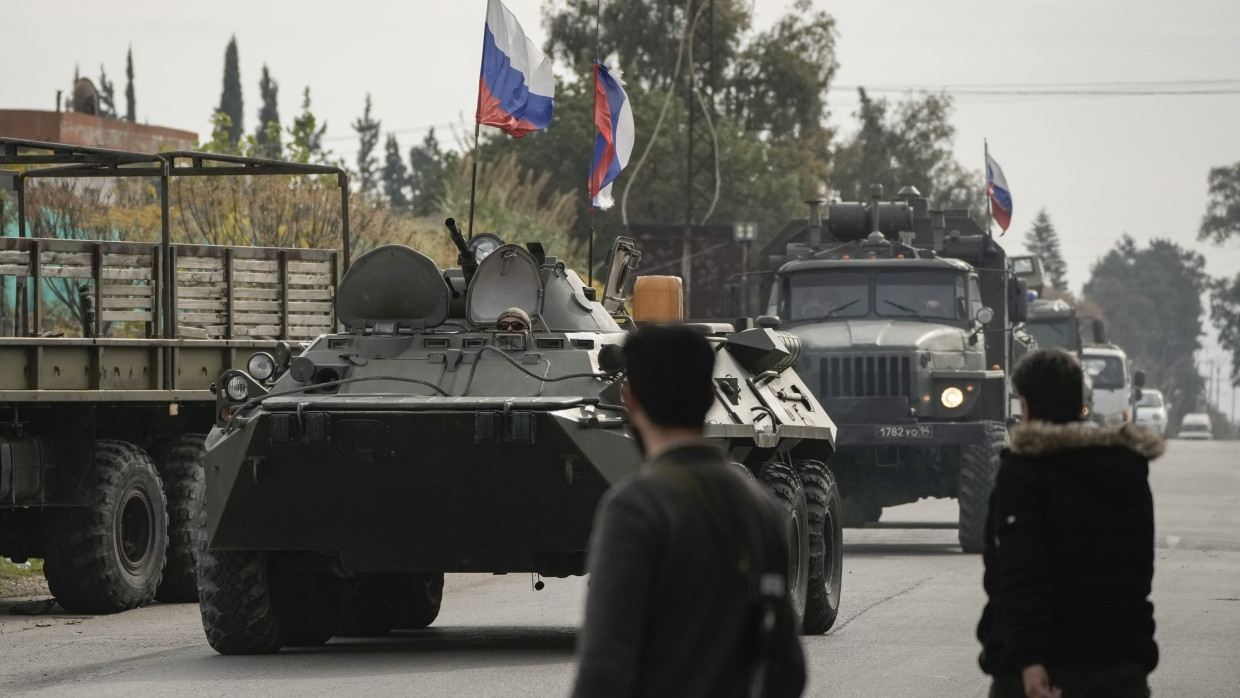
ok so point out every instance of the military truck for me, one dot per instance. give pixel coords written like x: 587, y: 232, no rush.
x: 905, y: 317
x: 100, y: 435
x: 341, y: 485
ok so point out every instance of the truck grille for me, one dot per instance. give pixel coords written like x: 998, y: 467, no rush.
x: 865, y: 376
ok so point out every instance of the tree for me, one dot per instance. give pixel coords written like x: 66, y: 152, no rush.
x: 306, y: 135
x: 77, y: 75
x: 231, y: 103
x: 395, y: 176
x: 131, y: 109
x: 1225, y: 314
x: 910, y: 144
x: 107, y: 95
x: 1151, y: 298
x: 268, y: 133
x: 427, y: 169
x: 1222, y: 219
x: 1041, y: 240
x: 367, y: 129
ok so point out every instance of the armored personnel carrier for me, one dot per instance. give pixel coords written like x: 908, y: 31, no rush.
x: 906, y: 319
x: 342, y: 484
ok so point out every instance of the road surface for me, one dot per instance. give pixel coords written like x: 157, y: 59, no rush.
x: 910, y: 603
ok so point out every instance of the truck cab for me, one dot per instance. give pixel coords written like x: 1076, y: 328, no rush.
x: 1111, y: 375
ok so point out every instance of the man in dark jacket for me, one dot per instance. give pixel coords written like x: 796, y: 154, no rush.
x: 1070, y: 552
x: 677, y: 548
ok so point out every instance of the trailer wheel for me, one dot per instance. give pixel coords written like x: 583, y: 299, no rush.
x: 826, y: 546
x: 234, y: 597
x: 368, y: 605
x: 179, y: 462
x: 979, y: 464
x: 422, y: 598
x: 108, y: 555
x: 782, y: 482
x: 307, y: 607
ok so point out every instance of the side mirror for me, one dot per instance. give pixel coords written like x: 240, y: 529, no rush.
x: 1018, y: 300
x: 767, y: 321
x: 1100, y: 334
x: 1138, y: 379
x: 620, y: 273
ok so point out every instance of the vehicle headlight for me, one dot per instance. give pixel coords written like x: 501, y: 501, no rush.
x: 952, y: 398
x: 261, y: 366
x: 238, y: 388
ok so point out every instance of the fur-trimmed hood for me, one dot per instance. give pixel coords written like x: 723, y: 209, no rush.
x: 1038, y: 438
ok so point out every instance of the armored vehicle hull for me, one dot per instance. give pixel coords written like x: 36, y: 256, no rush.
x: 425, y: 441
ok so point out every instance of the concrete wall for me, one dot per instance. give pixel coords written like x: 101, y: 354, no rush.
x: 93, y: 131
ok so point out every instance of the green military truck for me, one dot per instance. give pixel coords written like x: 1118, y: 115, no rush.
x: 905, y: 317
x: 101, y: 436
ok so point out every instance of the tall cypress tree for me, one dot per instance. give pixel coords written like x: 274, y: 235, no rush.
x: 77, y: 75
x: 131, y: 109
x: 426, y: 174
x: 1043, y: 241
x: 395, y: 176
x: 107, y: 95
x: 367, y: 129
x: 268, y: 137
x: 230, y: 99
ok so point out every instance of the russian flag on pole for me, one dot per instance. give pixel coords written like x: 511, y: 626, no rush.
x: 1000, y: 197
x: 516, y: 91
x: 614, y: 144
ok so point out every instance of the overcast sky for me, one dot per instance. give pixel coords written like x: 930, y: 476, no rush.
x: 1101, y: 165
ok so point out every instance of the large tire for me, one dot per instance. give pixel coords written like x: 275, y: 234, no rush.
x: 368, y: 605
x: 420, y: 602
x: 179, y: 462
x: 979, y: 464
x: 826, y: 546
x: 234, y: 597
x: 307, y: 606
x: 108, y: 555
x: 782, y: 482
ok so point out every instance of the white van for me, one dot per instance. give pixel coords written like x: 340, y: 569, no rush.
x: 1196, y: 425
x: 1108, y: 366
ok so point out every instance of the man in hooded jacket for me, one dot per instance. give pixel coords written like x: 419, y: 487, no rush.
x: 1069, y: 554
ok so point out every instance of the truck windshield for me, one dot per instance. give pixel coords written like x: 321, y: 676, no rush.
x: 1059, y: 332
x: 826, y: 294
x: 1107, y: 371
x: 933, y: 294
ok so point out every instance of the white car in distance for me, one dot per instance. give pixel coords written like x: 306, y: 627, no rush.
x: 1196, y: 425
x: 1152, y: 411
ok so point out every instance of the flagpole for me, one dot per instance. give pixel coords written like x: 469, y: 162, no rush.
x: 598, y: 16
x: 473, y: 183
x: 990, y: 214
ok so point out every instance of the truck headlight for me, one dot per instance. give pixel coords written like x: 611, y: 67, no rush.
x: 261, y: 366
x: 238, y: 388
x: 952, y: 398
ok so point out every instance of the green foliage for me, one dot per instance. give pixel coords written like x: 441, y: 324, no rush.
x: 395, y: 175
x: 910, y: 144
x: 428, y: 166
x: 131, y: 108
x: 1151, y: 298
x: 10, y: 570
x: 77, y: 75
x: 107, y: 95
x: 1225, y: 314
x: 1222, y: 219
x: 367, y: 129
x: 1041, y: 240
x: 306, y: 136
x: 268, y: 138
x: 231, y: 104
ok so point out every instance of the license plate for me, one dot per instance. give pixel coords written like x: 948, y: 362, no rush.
x: 905, y: 431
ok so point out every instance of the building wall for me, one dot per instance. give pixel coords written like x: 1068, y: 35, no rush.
x: 92, y: 131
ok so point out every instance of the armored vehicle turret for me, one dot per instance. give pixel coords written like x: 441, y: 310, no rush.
x: 423, y: 439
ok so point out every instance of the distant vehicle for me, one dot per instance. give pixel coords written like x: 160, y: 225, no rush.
x: 1196, y: 426
x: 1152, y: 411
x: 1111, y: 374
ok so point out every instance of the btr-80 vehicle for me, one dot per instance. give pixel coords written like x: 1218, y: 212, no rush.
x: 905, y: 317
x: 423, y: 440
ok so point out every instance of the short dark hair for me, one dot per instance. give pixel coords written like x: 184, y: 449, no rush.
x: 1051, y: 382
x: 669, y: 372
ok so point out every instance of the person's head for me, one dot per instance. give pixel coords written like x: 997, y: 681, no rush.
x: 1049, y: 383
x: 669, y: 377
x: 513, y: 320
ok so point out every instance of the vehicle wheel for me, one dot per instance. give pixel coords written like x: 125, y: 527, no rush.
x: 234, y: 597
x: 368, y: 605
x: 307, y: 607
x: 423, y: 595
x: 979, y: 464
x: 781, y: 481
x: 179, y: 462
x: 826, y: 546
x: 108, y: 555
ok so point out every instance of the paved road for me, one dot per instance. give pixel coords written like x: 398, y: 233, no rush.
x: 911, y: 600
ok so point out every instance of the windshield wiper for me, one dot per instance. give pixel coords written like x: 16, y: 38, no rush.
x: 905, y: 308
x: 837, y: 309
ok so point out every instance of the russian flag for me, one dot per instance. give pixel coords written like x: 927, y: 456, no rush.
x: 614, y: 120
x: 516, y: 90
x: 1000, y: 197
